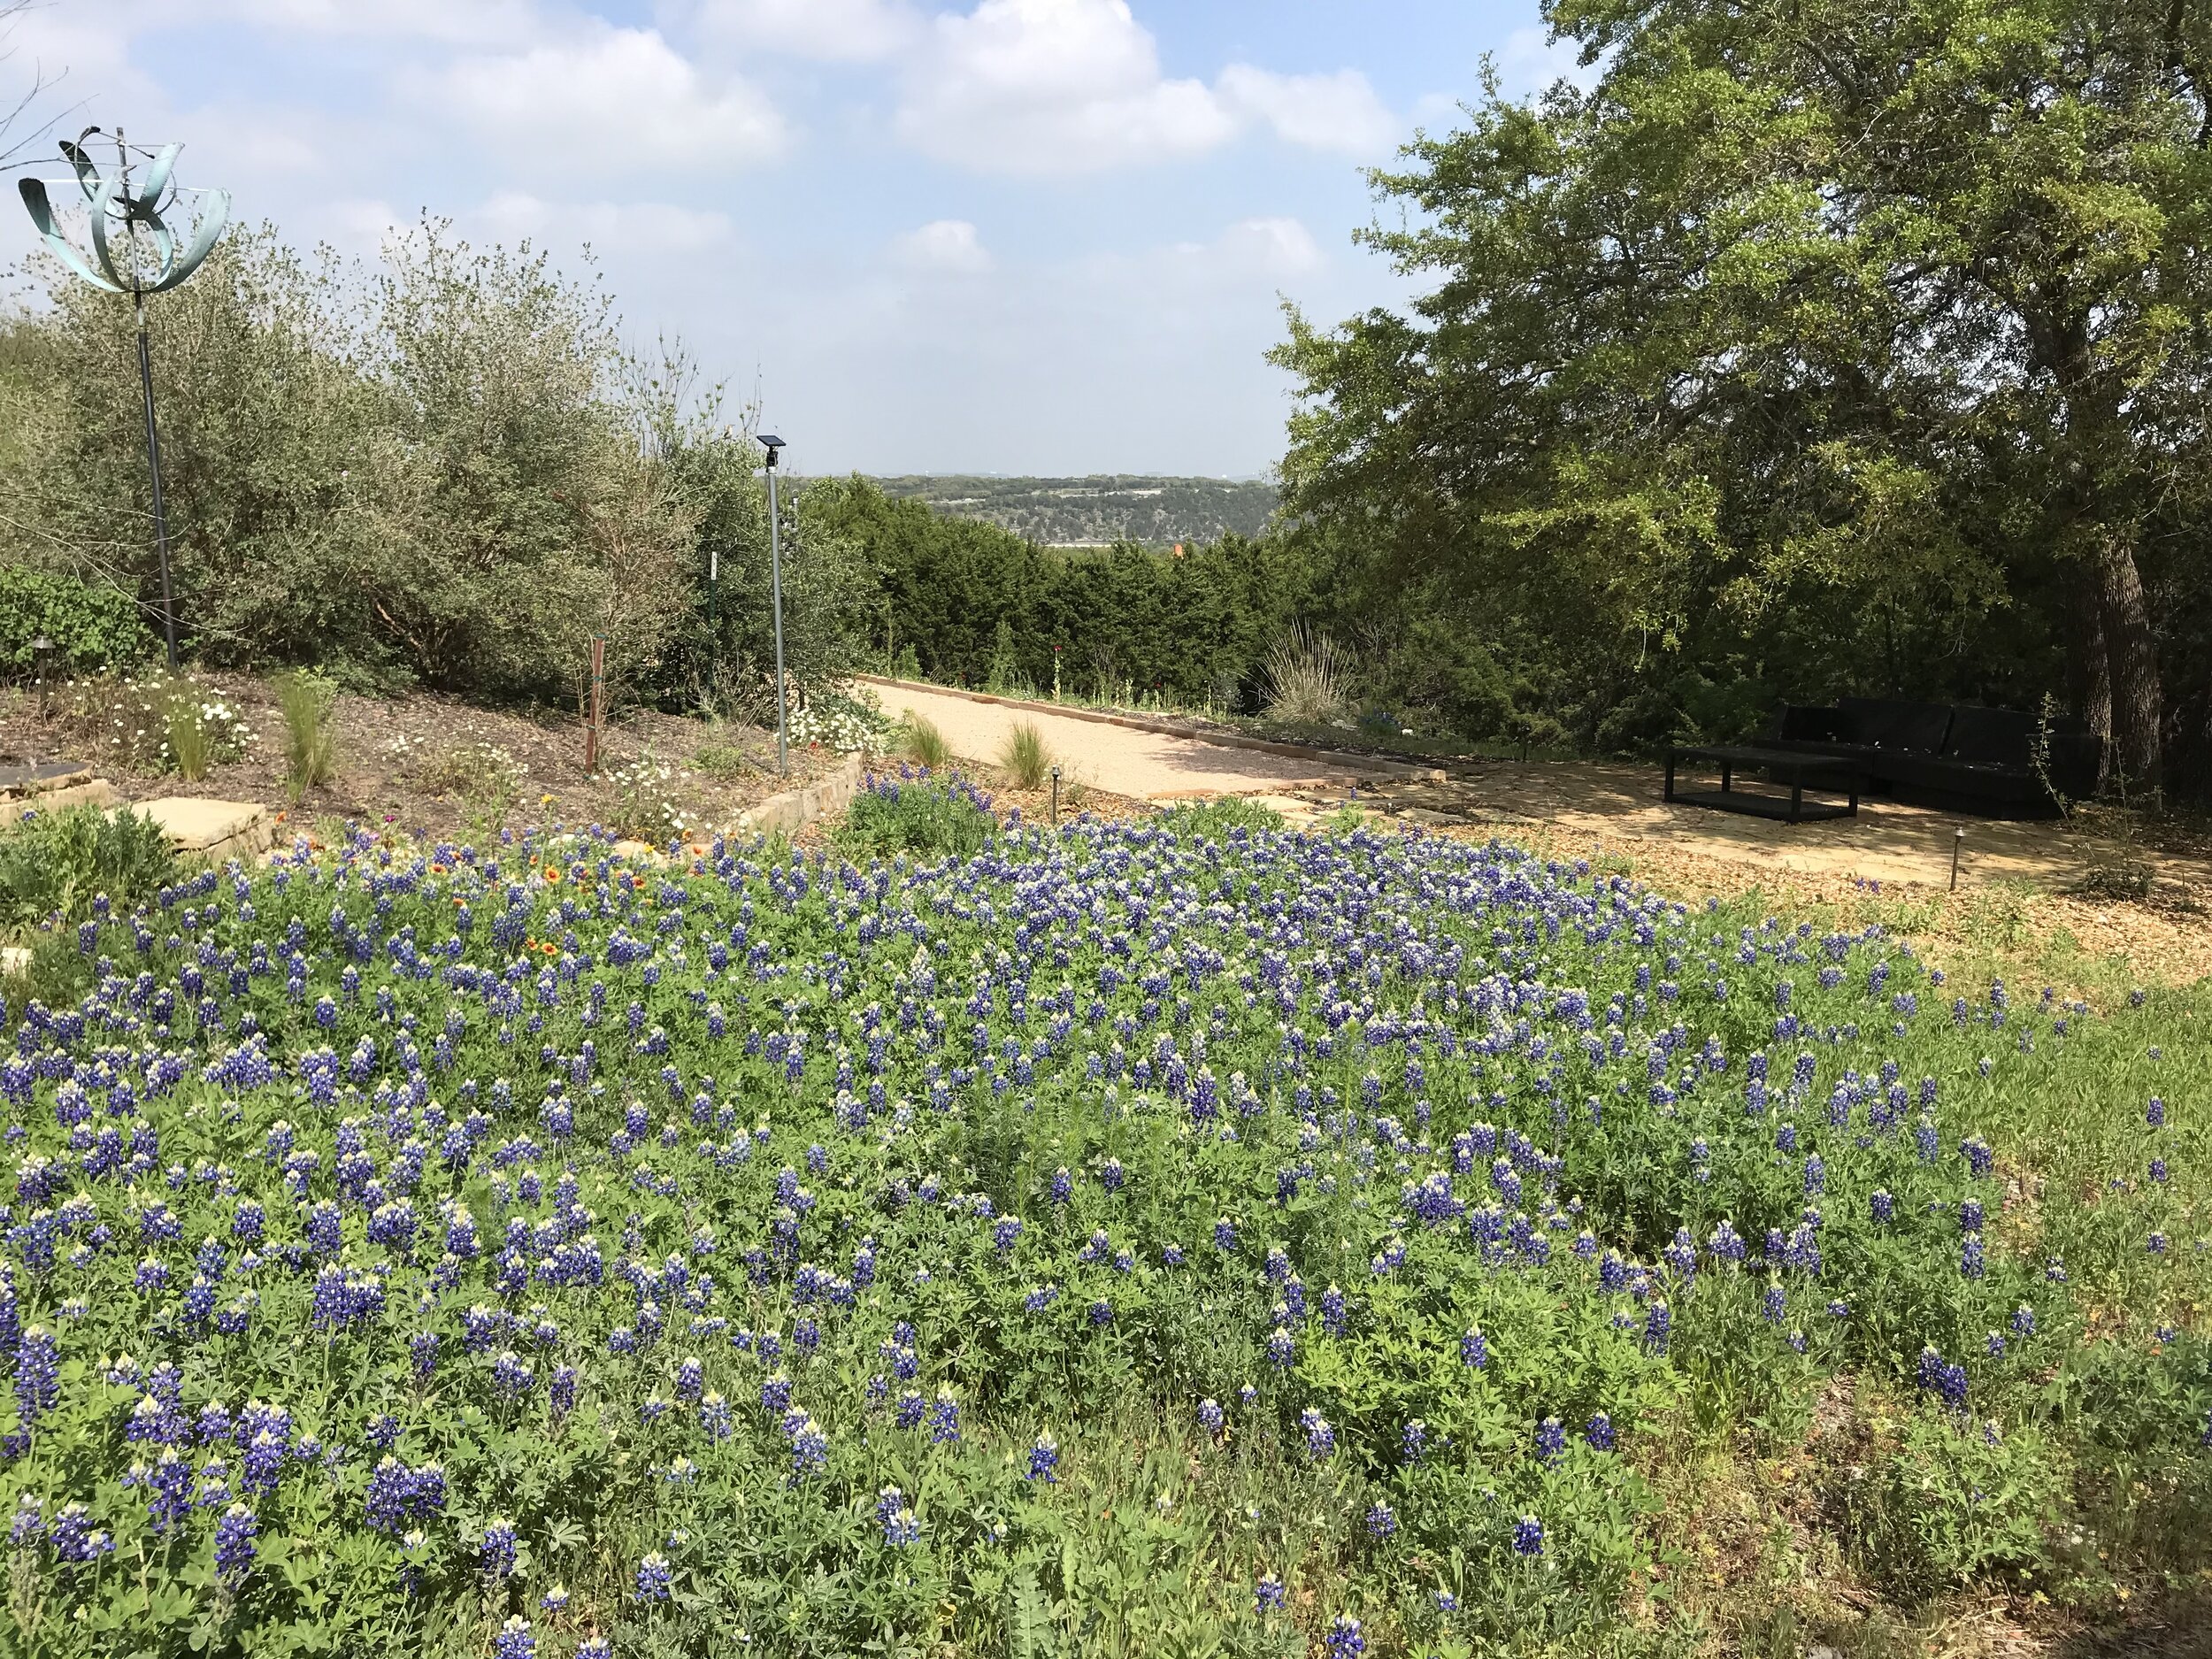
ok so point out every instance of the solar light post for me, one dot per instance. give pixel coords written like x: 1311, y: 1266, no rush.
x: 111, y: 202
x: 772, y: 443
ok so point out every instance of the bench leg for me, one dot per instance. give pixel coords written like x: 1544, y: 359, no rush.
x: 1726, y: 776
x: 1669, y: 793
x: 1797, y: 803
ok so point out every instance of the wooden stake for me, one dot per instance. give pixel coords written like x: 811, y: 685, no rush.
x: 598, y: 704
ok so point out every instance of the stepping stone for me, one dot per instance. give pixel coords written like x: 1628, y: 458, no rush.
x: 42, y: 778
x: 93, y: 792
x: 211, y: 829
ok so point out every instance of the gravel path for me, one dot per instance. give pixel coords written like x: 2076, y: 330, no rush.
x: 1147, y: 765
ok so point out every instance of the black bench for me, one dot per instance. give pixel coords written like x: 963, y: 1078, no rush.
x: 1801, y: 771
x: 1953, y: 757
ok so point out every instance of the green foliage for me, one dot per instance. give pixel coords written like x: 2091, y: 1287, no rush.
x: 1962, y: 1498
x: 92, y: 627
x: 306, y: 700
x: 438, y: 469
x: 1219, y: 819
x: 916, y: 812
x: 56, y: 863
x: 1004, y: 675
x: 1024, y: 757
x: 1798, y: 354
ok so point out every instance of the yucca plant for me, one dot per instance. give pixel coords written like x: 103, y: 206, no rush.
x: 1024, y: 757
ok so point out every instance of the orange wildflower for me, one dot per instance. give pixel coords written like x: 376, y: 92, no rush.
x: 552, y: 875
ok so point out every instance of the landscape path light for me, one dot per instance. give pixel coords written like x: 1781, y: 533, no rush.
x: 176, y: 253
x: 43, y: 665
x: 772, y: 443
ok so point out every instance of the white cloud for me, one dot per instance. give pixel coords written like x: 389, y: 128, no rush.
x: 1533, y: 60
x: 622, y: 228
x: 834, y: 31
x: 1265, y: 248
x: 611, y: 101
x: 1339, y: 111
x: 453, y: 22
x: 943, y: 244
x: 1042, y: 87
x: 1053, y: 86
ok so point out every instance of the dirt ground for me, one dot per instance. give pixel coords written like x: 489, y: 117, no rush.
x: 418, y: 762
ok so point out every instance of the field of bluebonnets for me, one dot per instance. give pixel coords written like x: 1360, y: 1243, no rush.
x: 1165, y: 1237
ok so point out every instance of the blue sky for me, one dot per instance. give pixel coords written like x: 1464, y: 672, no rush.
x: 939, y: 236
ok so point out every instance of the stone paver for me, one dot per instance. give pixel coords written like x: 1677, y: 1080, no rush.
x: 211, y: 829
x: 1145, y: 765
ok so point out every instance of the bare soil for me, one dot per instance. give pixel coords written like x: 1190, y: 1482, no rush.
x: 412, y: 762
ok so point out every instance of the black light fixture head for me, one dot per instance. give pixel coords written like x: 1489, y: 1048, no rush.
x: 772, y: 443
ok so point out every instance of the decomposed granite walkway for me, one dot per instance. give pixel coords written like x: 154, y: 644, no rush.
x: 1145, y: 765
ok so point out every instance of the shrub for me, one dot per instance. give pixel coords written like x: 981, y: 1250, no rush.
x: 1306, y: 675
x: 724, y: 762
x: 1216, y: 818
x: 918, y: 812
x: 56, y: 863
x: 651, y: 802
x: 160, y: 723
x: 485, y: 777
x: 1023, y: 756
x: 923, y: 744
x: 849, y: 724
x: 310, y: 742
x: 91, y: 627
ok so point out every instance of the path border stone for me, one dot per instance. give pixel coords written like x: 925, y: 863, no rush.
x: 1344, y: 758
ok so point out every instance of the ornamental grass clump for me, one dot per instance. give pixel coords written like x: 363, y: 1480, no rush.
x: 1274, y: 1240
x: 922, y: 743
x: 1308, y: 679
x: 307, y: 700
x: 1024, y: 757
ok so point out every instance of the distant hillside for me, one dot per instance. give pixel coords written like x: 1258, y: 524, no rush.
x: 1084, y: 511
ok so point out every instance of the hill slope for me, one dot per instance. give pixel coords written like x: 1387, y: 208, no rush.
x: 1079, y: 511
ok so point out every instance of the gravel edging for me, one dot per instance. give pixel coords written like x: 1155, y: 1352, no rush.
x: 1344, y: 758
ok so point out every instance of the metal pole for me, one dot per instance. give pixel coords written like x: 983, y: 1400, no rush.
x: 161, y: 512
x: 1958, y: 839
x: 775, y: 593
x: 1055, y: 797
x: 153, y: 432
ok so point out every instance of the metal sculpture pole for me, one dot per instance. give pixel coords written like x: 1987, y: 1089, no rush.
x: 775, y: 598
x: 112, y: 202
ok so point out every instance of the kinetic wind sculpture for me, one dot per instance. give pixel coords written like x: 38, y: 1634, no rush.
x: 113, y: 203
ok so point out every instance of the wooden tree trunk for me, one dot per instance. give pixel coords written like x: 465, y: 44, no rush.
x: 2089, y: 667
x: 2131, y: 655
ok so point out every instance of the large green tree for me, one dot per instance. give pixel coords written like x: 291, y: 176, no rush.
x: 1833, y: 342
